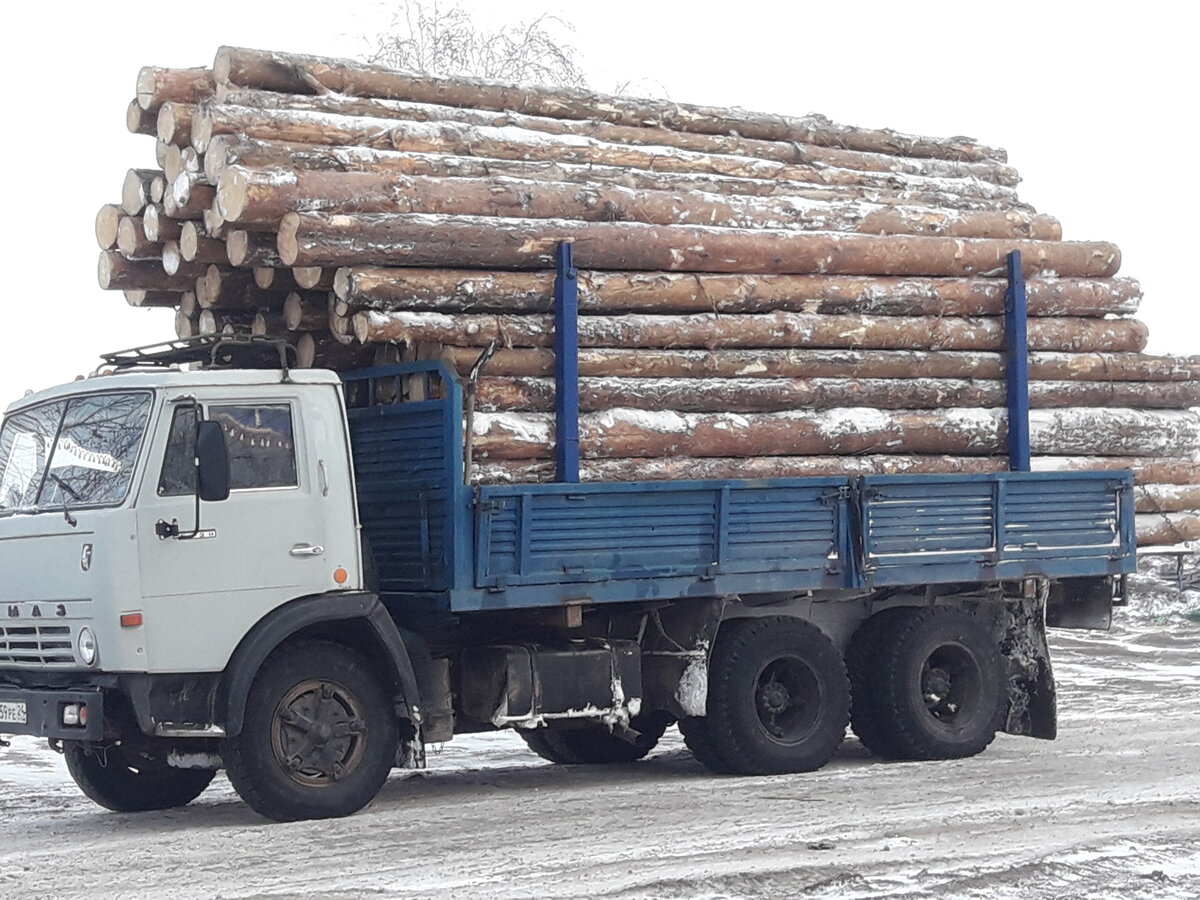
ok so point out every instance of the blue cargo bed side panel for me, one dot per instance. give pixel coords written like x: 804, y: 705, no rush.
x: 556, y: 534
x: 923, y: 529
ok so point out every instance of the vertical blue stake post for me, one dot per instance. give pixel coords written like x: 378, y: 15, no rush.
x: 566, y: 364
x: 1016, y: 366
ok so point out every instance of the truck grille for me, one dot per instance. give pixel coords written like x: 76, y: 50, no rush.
x: 48, y: 645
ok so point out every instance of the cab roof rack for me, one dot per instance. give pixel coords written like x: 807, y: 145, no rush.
x: 241, y: 351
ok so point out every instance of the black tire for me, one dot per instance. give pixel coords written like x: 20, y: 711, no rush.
x: 126, y: 780
x: 862, y: 665
x: 940, y: 687
x: 591, y: 743
x: 698, y: 740
x: 778, y: 696
x: 319, y: 735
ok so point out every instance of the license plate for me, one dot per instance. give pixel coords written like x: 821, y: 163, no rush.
x: 13, y: 713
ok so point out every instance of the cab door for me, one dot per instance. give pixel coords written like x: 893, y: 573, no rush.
x: 266, y: 544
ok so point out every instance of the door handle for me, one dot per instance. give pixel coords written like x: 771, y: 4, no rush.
x: 307, y: 550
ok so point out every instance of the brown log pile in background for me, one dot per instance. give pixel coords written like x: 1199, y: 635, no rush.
x: 759, y: 295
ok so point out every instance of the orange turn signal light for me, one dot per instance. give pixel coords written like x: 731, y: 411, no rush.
x: 131, y: 620
x: 340, y: 575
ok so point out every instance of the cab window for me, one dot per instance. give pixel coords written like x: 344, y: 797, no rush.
x: 262, y: 452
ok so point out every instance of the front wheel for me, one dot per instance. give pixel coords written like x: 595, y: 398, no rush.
x: 319, y: 735
x: 124, y: 779
x: 778, y: 696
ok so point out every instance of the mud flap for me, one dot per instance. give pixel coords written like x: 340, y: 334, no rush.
x: 675, y: 649
x: 1032, y: 705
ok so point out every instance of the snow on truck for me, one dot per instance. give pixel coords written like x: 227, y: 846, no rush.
x: 284, y: 573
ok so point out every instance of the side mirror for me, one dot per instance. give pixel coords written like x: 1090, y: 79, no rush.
x: 212, y: 462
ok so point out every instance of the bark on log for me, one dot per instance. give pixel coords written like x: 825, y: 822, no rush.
x: 307, y: 311
x: 196, y: 246
x: 263, y: 197
x: 186, y: 326
x: 1163, y: 529
x: 689, y: 468
x: 228, y: 150
x: 300, y: 74
x: 466, y: 290
x: 251, y: 248
x: 135, y: 192
x: 267, y: 324
x: 174, y: 124
x: 276, y: 279
x: 322, y: 350
x: 499, y: 393
x: 1166, y: 498
x: 156, y: 86
x: 621, y: 433
x: 138, y: 121
x: 778, y: 151
x: 154, y: 299
x: 299, y: 126
x: 160, y: 227
x: 115, y: 272
x: 601, y: 362
x: 108, y: 222
x: 224, y: 288
x: 213, y: 322
x: 480, y: 242
x: 766, y: 330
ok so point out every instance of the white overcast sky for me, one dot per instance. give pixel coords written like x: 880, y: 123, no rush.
x: 1095, y: 103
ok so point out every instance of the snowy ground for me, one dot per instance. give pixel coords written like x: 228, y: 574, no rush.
x: 1112, y: 808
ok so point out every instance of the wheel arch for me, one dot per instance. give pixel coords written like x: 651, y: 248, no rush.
x: 357, y: 620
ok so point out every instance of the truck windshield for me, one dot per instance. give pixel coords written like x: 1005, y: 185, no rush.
x: 79, y: 451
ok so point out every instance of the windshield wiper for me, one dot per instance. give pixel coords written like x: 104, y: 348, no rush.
x: 67, y: 489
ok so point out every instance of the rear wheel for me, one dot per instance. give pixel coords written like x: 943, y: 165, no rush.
x: 940, y: 688
x: 778, y: 696
x: 592, y: 743
x: 862, y: 657
x: 127, y: 780
x: 318, y: 738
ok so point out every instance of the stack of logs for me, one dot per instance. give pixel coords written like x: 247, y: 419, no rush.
x: 760, y: 295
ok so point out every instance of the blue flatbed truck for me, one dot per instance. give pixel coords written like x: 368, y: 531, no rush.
x: 288, y: 575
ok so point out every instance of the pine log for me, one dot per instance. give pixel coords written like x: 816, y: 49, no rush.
x: 115, y: 272
x: 629, y: 363
x: 160, y: 151
x: 267, y: 323
x: 156, y: 86
x: 227, y: 289
x: 316, y: 349
x: 466, y: 290
x: 277, y: 279
x: 135, y: 192
x: 108, y: 222
x: 314, y: 278
x: 186, y: 326
x: 133, y: 241
x: 766, y: 330
x: 138, y: 121
x: 304, y: 127
x: 250, y: 248
x: 171, y: 257
x: 307, y: 311
x: 689, y: 468
x: 227, y: 150
x: 158, y: 191
x: 174, y: 124
x: 481, y: 242
x: 160, y: 227
x: 1159, y: 529
x: 187, y: 197
x: 154, y: 299
x: 500, y: 393
x: 178, y: 160
x: 967, y: 432
x: 188, y: 304
x: 778, y: 151
x: 1166, y: 498
x: 299, y: 74
x: 196, y: 246
x: 212, y: 322
x: 263, y: 197
x: 214, y: 222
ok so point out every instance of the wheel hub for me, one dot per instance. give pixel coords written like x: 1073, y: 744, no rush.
x: 788, y: 700
x: 317, y: 733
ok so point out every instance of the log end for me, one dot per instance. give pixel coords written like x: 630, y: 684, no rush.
x: 216, y: 159
x: 341, y: 282
x: 222, y: 64
x: 361, y: 326
x: 146, y: 87
x: 231, y: 193
x: 133, y: 193
x: 237, y: 246
x: 108, y: 223
x: 189, y: 240
x: 104, y: 269
x: 166, y: 123
x: 264, y: 276
x: 308, y: 277
x: 136, y: 298
x: 137, y: 120
x: 306, y: 351
x: 286, y: 243
x: 187, y: 303
x: 293, y: 311
x: 202, y: 129
x: 185, y: 326
x: 150, y: 222
x: 172, y: 258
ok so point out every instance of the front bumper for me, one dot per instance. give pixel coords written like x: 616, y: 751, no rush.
x: 43, y: 713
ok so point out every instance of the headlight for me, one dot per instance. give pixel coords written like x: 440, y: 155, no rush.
x: 86, y: 645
